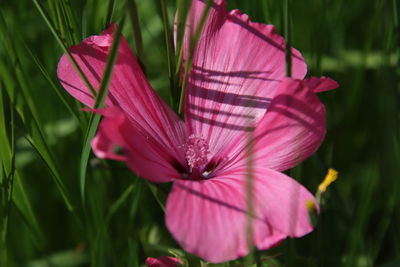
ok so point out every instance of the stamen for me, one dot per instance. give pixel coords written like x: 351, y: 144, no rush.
x: 196, y: 151
x: 330, y: 177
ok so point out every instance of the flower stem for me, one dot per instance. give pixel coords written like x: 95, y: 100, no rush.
x: 287, y: 24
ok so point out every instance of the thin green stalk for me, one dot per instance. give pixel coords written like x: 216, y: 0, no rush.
x: 249, y: 260
x: 287, y: 29
x: 396, y: 19
x: 137, y: 33
x: 385, y: 220
x: 53, y: 12
x: 66, y: 23
x: 100, y: 100
x: 43, y: 149
x: 136, y: 197
x: 191, y: 50
x: 391, y: 151
x: 59, y: 93
x: 154, y: 190
x: 110, y: 10
x: 16, y: 188
x: 7, y: 182
x: 118, y: 203
x: 59, y: 18
x: 53, y: 171
x: 13, y: 153
x: 355, y: 247
x: 31, y: 116
x: 183, y: 7
x: 111, y: 59
x: 64, y: 47
x: 396, y: 10
x: 71, y: 21
x: 267, y: 11
x: 170, y: 53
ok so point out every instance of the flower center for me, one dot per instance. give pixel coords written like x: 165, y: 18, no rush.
x: 196, y: 152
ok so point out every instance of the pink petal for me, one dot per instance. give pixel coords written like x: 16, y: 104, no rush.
x: 209, y: 217
x: 163, y: 261
x: 321, y: 84
x: 109, y: 137
x: 293, y: 127
x: 236, y: 69
x: 143, y: 155
x: 129, y: 91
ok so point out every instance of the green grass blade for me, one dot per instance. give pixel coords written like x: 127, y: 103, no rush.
x: 90, y: 133
x: 6, y: 180
x: 60, y: 93
x: 137, y: 33
x: 287, y: 29
x: 72, y: 24
x: 100, y: 100
x: 53, y: 14
x: 64, y: 46
x: 64, y: 28
x: 192, y: 47
x: 22, y: 202
x: 17, y: 190
x: 69, y: 33
x: 249, y: 195
x: 38, y: 144
x: 120, y: 201
x: 156, y: 193
x: 169, y: 40
x: 106, y: 78
x: 29, y: 113
x: 183, y: 7
x: 110, y: 10
x: 136, y: 197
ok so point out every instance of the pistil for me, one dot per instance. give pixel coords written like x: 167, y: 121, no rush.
x: 196, y: 154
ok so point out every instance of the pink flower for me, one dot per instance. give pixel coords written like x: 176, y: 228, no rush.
x: 163, y: 261
x: 237, y: 85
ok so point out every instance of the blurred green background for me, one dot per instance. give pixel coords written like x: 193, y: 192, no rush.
x: 43, y: 220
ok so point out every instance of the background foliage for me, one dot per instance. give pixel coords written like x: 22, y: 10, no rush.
x: 44, y: 221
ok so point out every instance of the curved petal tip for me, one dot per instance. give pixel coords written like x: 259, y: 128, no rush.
x: 321, y: 84
x: 105, y: 38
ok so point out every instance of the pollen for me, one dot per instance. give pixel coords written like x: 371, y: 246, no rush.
x: 196, y: 151
x: 330, y: 177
